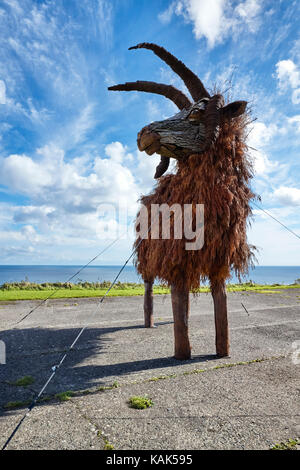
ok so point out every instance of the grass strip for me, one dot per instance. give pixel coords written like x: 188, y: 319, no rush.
x: 32, y: 291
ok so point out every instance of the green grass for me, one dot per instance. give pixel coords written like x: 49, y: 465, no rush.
x: 23, y: 381
x: 261, y: 288
x: 140, y: 403
x: 32, y: 291
x: 108, y: 446
x: 16, y: 404
x: 103, y: 388
x: 291, y: 444
x: 64, y: 396
x: 269, y: 291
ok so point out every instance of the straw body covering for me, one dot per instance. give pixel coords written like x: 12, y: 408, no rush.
x: 219, y: 179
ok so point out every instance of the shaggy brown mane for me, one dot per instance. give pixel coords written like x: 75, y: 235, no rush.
x: 219, y: 179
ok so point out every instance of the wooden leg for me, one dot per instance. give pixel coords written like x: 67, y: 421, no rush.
x: 148, y: 304
x: 181, y: 306
x: 218, y: 291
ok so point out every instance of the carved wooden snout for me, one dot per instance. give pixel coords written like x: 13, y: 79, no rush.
x: 148, y: 141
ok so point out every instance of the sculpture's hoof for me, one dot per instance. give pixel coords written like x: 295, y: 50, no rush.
x: 219, y: 356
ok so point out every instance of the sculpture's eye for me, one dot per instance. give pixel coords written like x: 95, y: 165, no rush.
x: 196, y: 115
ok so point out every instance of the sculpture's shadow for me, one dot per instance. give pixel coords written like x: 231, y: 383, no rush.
x: 101, y: 357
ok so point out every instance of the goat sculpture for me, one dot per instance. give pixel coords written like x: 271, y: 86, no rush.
x: 207, y: 139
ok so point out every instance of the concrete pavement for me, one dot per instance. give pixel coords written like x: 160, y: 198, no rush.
x: 252, y: 403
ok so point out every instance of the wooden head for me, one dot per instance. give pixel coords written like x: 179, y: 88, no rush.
x: 195, y: 128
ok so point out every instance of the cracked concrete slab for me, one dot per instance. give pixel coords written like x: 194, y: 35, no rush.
x: 55, y: 426
x: 116, y: 347
x: 232, y: 408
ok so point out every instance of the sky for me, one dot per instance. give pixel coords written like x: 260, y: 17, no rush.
x: 70, y: 171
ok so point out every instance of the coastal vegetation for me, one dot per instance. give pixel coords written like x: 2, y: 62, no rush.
x: 26, y: 290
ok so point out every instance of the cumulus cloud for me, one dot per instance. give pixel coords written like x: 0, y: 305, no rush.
x: 215, y: 19
x: 262, y: 164
x: 145, y: 169
x: 86, y: 198
x: 288, y: 75
x: 207, y: 18
x: 51, y: 175
x: 117, y: 152
x: 29, y: 232
x: 23, y: 175
x: 288, y: 196
x: 16, y: 252
x: 261, y: 134
x: 32, y: 214
x: 258, y: 140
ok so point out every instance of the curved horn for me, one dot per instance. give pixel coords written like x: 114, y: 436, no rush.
x: 159, y: 88
x: 212, y: 118
x: 192, y: 82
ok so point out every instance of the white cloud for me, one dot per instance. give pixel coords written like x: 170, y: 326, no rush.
x: 118, y: 153
x: 208, y: 19
x: 81, y: 125
x: 23, y: 175
x: 248, y: 11
x: 288, y: 196
x: 104, y: 18
x: 41, y: 42
x: 296, y: 121
x: 15, y: 6
x: 261, y: 134
x: 2, y: 92
x: 259, y: 138
x: 77, y: 198
x: 32, y: 214
x: 215, y: 19
x: 16, y: 252
x: 145, y: 170
x: 288, y: 75
x: 166, y: 16
x: 262, y: 164
x: 296, y: 96
x: 29, y: 233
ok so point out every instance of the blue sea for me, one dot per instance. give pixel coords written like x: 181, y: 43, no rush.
x: 50, y: 273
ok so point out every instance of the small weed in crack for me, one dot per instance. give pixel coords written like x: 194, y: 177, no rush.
x: 140, y: 403
x: 23, y: 381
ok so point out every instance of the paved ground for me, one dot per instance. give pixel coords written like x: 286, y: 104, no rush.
x: 245, y: 406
